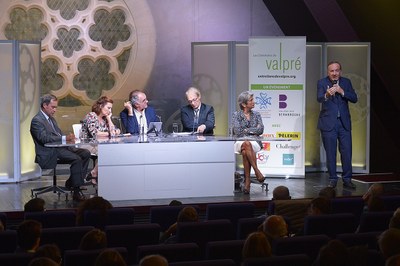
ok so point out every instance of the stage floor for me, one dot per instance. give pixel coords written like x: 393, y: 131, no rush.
x: 14, y: 196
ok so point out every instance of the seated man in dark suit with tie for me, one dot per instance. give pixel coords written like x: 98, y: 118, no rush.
x: 44, y: 129
x: 137, y: 114
x: 196, y: 116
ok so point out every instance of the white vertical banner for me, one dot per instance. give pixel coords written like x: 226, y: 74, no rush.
x: 277, y: 74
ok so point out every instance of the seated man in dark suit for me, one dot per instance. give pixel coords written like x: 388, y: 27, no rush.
x: 44, y: 129
x: 137, y: 115
x: 196, y: 116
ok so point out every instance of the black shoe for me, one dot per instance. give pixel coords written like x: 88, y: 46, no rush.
x: 349, y: 184
x: 77, y: 196
x: 68, y: 184
x: 332, y: 183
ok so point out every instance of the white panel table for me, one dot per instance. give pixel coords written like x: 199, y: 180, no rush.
x: 166, y: 168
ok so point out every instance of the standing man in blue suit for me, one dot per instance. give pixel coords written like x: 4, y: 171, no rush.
x: 197, y: 117
x: 137, y: 114
x: 334, y: 92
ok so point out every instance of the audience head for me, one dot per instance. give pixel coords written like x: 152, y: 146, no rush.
x: 275, y: 226
x: 389, y: 242
x: 327, y: 192
x: 395, y: 220
x: 101, y: 103
x: 43, y: 261
x: 175, y: 203
x: 35, y: 205
x: 332, y: 254
x: 50, y: 251
x: 110, y: 257
x: 95, y: 203
x: 28, y: 235
x: 393, y: 261
x: 188, y: 214
x: 48, y: 104
x: 281, y: 193
x: 320, y: 205
x: 1, y: 226
x: 193, y: 96
x: 153, y: 260
x: 243, y: 98
x: 375, y: 189
x: 375, y: 204
x: 256, y: 245
x: 139, y: 100
x: 94, y: 239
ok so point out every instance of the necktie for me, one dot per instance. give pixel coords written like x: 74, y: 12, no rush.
x: 52, y: 126
x: 196, y: 115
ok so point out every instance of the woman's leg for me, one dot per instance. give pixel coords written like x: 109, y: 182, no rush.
x: 248, y: 152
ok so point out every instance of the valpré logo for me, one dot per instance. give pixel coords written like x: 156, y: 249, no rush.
x: 288, y: 159
x: 282, y: 101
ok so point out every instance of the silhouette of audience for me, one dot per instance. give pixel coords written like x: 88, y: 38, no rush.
x: 375, y: 189
x: 153, y: 260
x: 332, y: 254
x: 110, y: 257
x: 35, y: 205
x: 274, y: 227
x: 256, y: 245
x: 395, y: 220
x: 327, y: 192
x: 43, y: 261
x: 187, y: 214
x: 281, y: 193
x: 50, y: 251
x: 393, y: 261
x: 96, y: 203
x: 94, y: 239
x: 389, y: 242
x: 28, y: 236
x: 319, y: 205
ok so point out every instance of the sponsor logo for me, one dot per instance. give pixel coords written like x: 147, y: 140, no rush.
x: 266, y: 146
x: 288, y: 159
x: 263, y: 100
x: 262, y: 158
x: 282, y: 101
x: 287, y: 146
x: 269, y: 135
x: 289, y: 135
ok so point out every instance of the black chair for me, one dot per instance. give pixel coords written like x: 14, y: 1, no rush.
x: 359, y: 239
x: 132, y: 236
x: 114, y: 216
x: 57, y: 218
x: 54, y: 187
x: 88, y: 257
x: 330, y: 224
x: 374, y: 221
x: 229, y: 249
x: 230, y: 211
x: 165, y: 216
x: 172, y: 252
x: 354, y: 205
x: 391, y: 202
x: 8, y: 241
x: 16, y: 259
x: 224, y: 262
x: 245, y: 226
x: 286, y: 260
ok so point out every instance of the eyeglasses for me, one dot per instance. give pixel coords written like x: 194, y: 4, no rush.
x: 193, y: 100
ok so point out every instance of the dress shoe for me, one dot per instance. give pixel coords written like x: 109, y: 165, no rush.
x: 78, y: 197
x: 349, y: 184
x: 332, y: 183
x: 68, y: 184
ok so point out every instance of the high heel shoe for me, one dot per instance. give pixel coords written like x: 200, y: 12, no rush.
x: 261, y: 179
x: 92, y: 179
x: 244, y: 190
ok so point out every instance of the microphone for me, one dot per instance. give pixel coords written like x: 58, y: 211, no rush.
x: 141, y: 129
x: 159, y: 117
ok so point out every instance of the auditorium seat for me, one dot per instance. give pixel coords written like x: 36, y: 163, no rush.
x: 49, y: 219
x: 8, y: 241
x: 131, y: 236
x: 286, y: 260
x: 203, y: 232
x: 114, y: 216
x: 15, y: 259
x: 357, y: 239
x: 330, y: 224
x: 78, y: 257
x: 165, y: 216
x: 308, y: 245
x: 374, y: 221
x: 245, y: 226
x: 391, y: 202
x: 230, y: 211
x: 354, y: 205
x: 64, y: 237
x: 224, y: 262
x: 228, y: 249
x: 172, y: 252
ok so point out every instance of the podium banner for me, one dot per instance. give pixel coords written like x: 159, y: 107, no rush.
x: 277, y: 74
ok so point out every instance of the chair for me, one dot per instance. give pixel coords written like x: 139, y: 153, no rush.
x: 16, y: 259
x: 78, y: 257
x: 391, y: 202
x: 330, y: 224
x: 224, y: 262
x: 245, y: 226
x: 132, y: 236
x: 203, y: 232
x: 54, y: 187
x: 308, y: 245
x: 114, y: 216
x: 286, y: 260
x: 374, y: 221
x: 230, y: 211
x: 358, y: 239
x: 49, y: 219
x: 172, y: 252
x: 65, y: 238
x: 165, y: 216
x: 8, y: 241
x: 228, y: 249
x: 354, y: 205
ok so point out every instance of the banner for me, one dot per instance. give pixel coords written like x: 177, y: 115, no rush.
x: 277, y: 74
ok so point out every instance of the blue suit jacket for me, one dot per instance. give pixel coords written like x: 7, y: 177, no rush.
x: 331, y: 106
x: 206, y: 117
x: 130, y: 122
